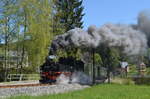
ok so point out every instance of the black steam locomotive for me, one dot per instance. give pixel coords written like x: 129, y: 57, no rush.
x: 50, y: 70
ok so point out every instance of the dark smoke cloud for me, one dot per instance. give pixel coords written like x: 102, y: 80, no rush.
x: 144, y: 23
x: 113, y: 35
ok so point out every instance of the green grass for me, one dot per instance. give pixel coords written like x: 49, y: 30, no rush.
x: 104, y: 91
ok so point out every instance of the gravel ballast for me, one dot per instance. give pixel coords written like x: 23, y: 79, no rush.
x: 40, y: 90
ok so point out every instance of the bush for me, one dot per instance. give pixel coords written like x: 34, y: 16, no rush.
x: 125, y: 81
x: 142, y: 80
x: 148, y: 71
x: 133, y: 70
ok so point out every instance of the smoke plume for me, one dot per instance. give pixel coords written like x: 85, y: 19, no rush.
x: 144, y: 23
x: 113, y: 35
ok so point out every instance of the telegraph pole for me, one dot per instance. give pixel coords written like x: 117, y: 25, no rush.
x: 93, y: 52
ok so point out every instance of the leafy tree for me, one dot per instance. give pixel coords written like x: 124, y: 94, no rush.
x: 38, y: 13
x: 146, y: 58
x: 25, y: 27
x: 8, y: 29
x: 110, y: 59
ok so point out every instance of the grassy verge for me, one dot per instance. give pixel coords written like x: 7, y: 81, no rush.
x: 104, y: 91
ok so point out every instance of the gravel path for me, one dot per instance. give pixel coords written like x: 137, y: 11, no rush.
x: 20, y: 82
x: 40, y: 90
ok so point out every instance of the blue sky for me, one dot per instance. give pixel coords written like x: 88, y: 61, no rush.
x: 99, y: 12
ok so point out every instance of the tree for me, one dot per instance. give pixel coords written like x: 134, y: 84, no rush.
x: 69, y: 13
x: 8, y: 29
x: 25, y: 28
x: 57, y: 27
x: 110, y: 59
x: 38, y: 14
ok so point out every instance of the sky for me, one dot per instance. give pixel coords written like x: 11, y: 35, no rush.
x: 99, y: 12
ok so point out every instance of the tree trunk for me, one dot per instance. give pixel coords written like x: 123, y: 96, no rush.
x: 108, y: 74
x: 6, y: 49
x: 5, y: 74
x: 23, y: 46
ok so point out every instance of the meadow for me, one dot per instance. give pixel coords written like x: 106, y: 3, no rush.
x: 102, y: 91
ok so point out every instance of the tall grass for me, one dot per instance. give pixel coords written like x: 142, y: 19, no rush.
x: 104, y: 91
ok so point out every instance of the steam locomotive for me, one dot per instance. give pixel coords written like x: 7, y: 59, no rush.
x: 51, y: 69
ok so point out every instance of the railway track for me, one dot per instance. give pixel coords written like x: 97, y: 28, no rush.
x: 23, y: 85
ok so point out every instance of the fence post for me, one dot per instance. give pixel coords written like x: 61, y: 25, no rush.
x: 20, y: 77
x: 10, y: 77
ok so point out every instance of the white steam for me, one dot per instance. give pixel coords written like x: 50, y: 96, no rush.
x: 63, y: 79
x: 76, y: 77
x: 81, y: 78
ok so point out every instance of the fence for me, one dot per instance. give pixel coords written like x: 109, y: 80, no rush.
x: 21, y: 77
